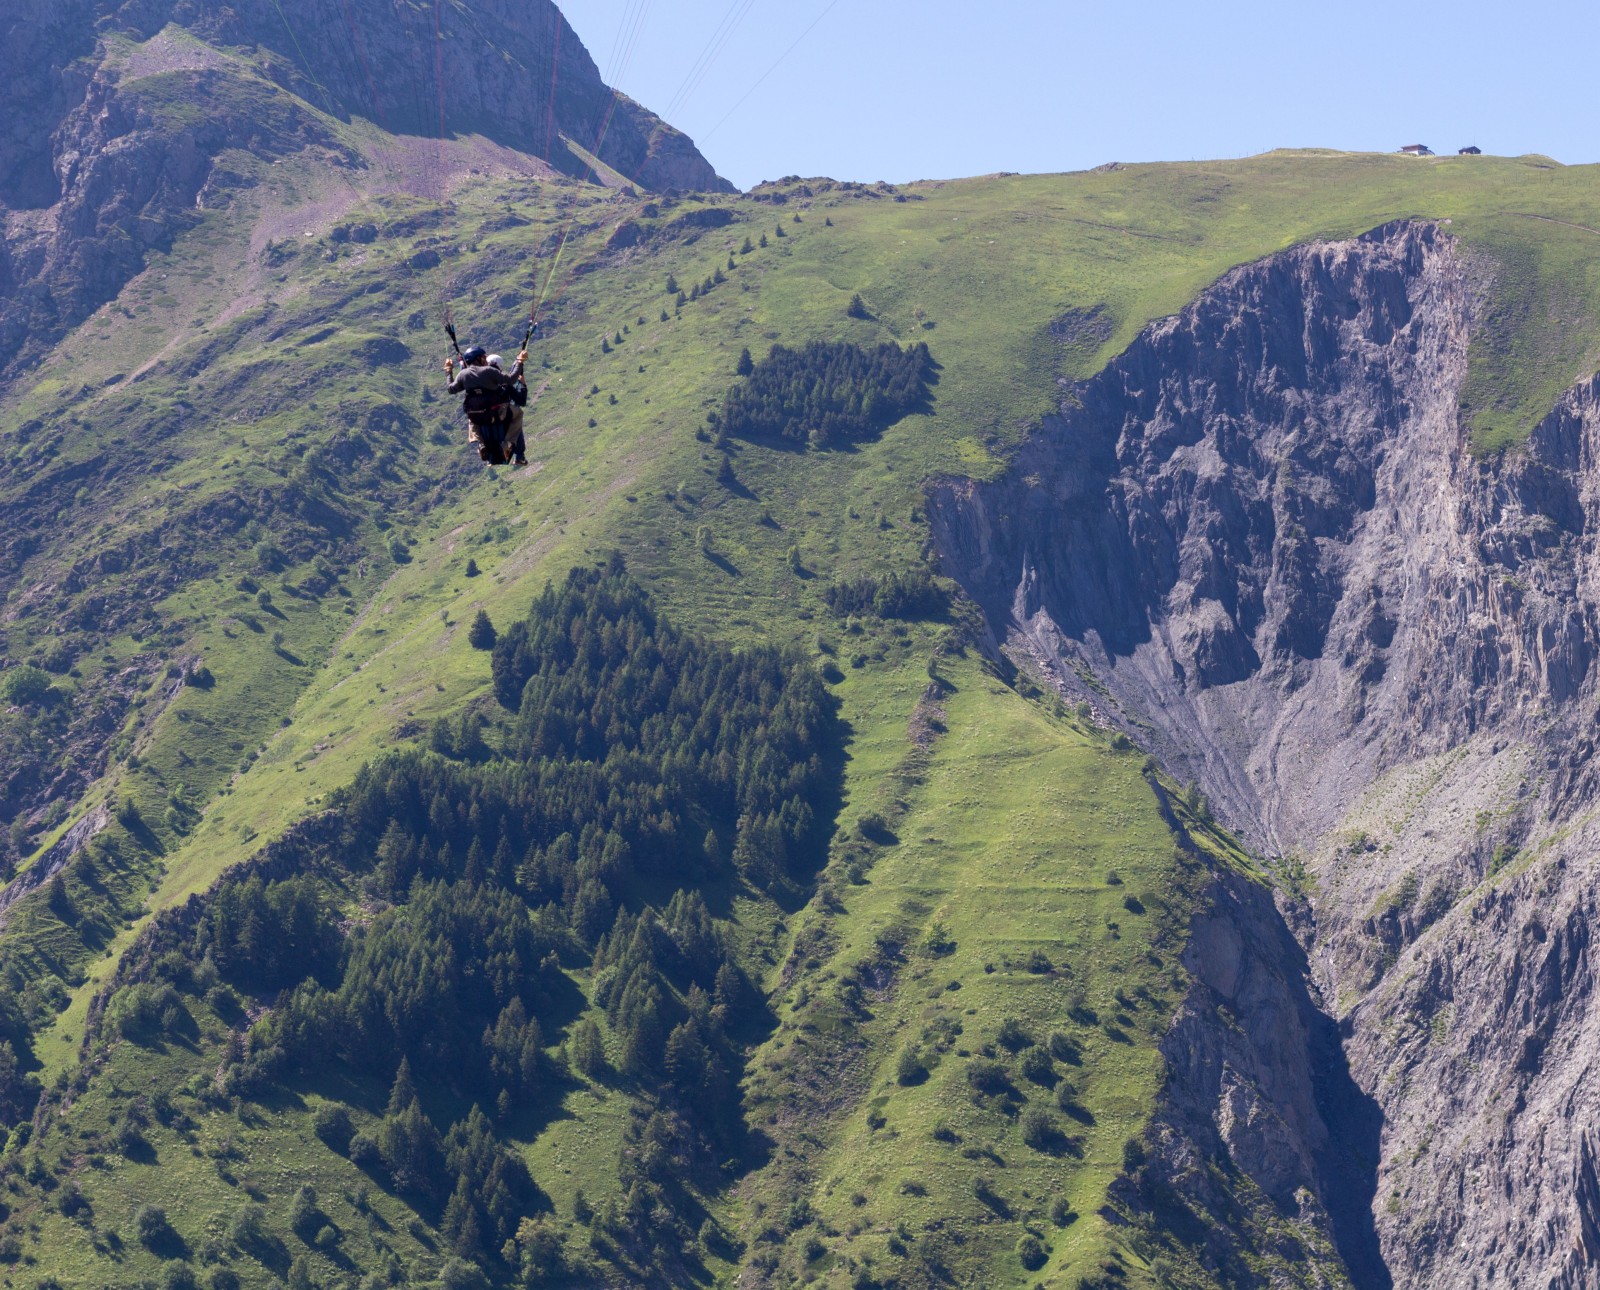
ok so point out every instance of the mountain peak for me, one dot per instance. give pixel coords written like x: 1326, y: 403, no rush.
x: 119, y: 112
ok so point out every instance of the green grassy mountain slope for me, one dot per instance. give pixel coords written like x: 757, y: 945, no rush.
x: 244, y: 466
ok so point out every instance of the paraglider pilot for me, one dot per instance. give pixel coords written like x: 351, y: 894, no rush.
x: 493, y: 402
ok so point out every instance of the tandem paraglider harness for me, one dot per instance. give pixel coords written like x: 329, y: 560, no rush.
x: 490, y: 399
x: 489, y: 411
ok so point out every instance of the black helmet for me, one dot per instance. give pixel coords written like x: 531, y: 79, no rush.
x: 474, y: 354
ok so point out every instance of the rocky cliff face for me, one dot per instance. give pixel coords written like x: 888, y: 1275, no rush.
x: 1259, y: 543
x: 1263, y: 1145
x: 116, y: 115
x: 516, y: 73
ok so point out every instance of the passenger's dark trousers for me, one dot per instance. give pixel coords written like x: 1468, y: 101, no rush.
x: 500, y: 442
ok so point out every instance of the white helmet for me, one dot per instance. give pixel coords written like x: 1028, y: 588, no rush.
x: 494, y: 361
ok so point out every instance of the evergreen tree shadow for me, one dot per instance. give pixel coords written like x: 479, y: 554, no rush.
x: 562, y: 1003
x: 992, y: 1200
x: 730, y: 481
x: 827, y: 799
x: 168, y: 1243
x: 268, y: 1249
x: 141, y: 833
x: 280, y: 1098
x: 533, y: 1116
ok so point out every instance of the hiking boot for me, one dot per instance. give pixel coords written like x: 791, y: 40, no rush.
x: 521, y: 460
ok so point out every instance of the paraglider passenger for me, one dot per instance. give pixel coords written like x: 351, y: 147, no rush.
x: 515, y: 445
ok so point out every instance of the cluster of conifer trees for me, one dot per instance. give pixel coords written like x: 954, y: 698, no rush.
x: 641, y: 765
x: 827, y: 394
x: 19, y: 1088
x: 597, y: 680
x: 912, y: 595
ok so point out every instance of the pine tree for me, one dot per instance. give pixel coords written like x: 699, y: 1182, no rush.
x: 746, y: 248
x: 474, y: 872
x: 595, y: 679
x: 305, y: 1215
x: 457, y: 1208
x: 686, y: 1055
x: 504, y: 864
x: 481, y: 635
x: 470, y: 1244
x: 763, y: 239
x: 403, y: 1092
x: 642, y: 1041
x: 592, y: 910
x: 672, y: 285
x: 746, y: 364
x: 605, y: 345
x: 588, y: 1048
x: 729, y: 991
x: 857, y: 307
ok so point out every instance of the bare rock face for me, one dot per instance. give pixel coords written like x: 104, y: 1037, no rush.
x: 116, y: 118
x: 1259, y: 544
x: 1262, y: 1148
x: 513, y: 71
x: 132, y: 161
x: 1219, y: 489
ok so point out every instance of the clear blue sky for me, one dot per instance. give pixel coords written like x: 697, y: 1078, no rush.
x: 887, y: 89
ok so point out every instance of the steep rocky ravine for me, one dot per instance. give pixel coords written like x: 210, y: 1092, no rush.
x: 1258, y: 542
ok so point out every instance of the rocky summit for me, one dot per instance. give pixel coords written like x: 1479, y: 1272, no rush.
x: 1022, y: 731
x: 122, y: 119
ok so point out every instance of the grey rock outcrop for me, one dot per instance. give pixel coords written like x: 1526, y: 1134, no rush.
x: 1243, y: 1159
x: 514, y: 72
x: 131, y: 164
x: 1245, y: 528
x: 1260, y: 533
